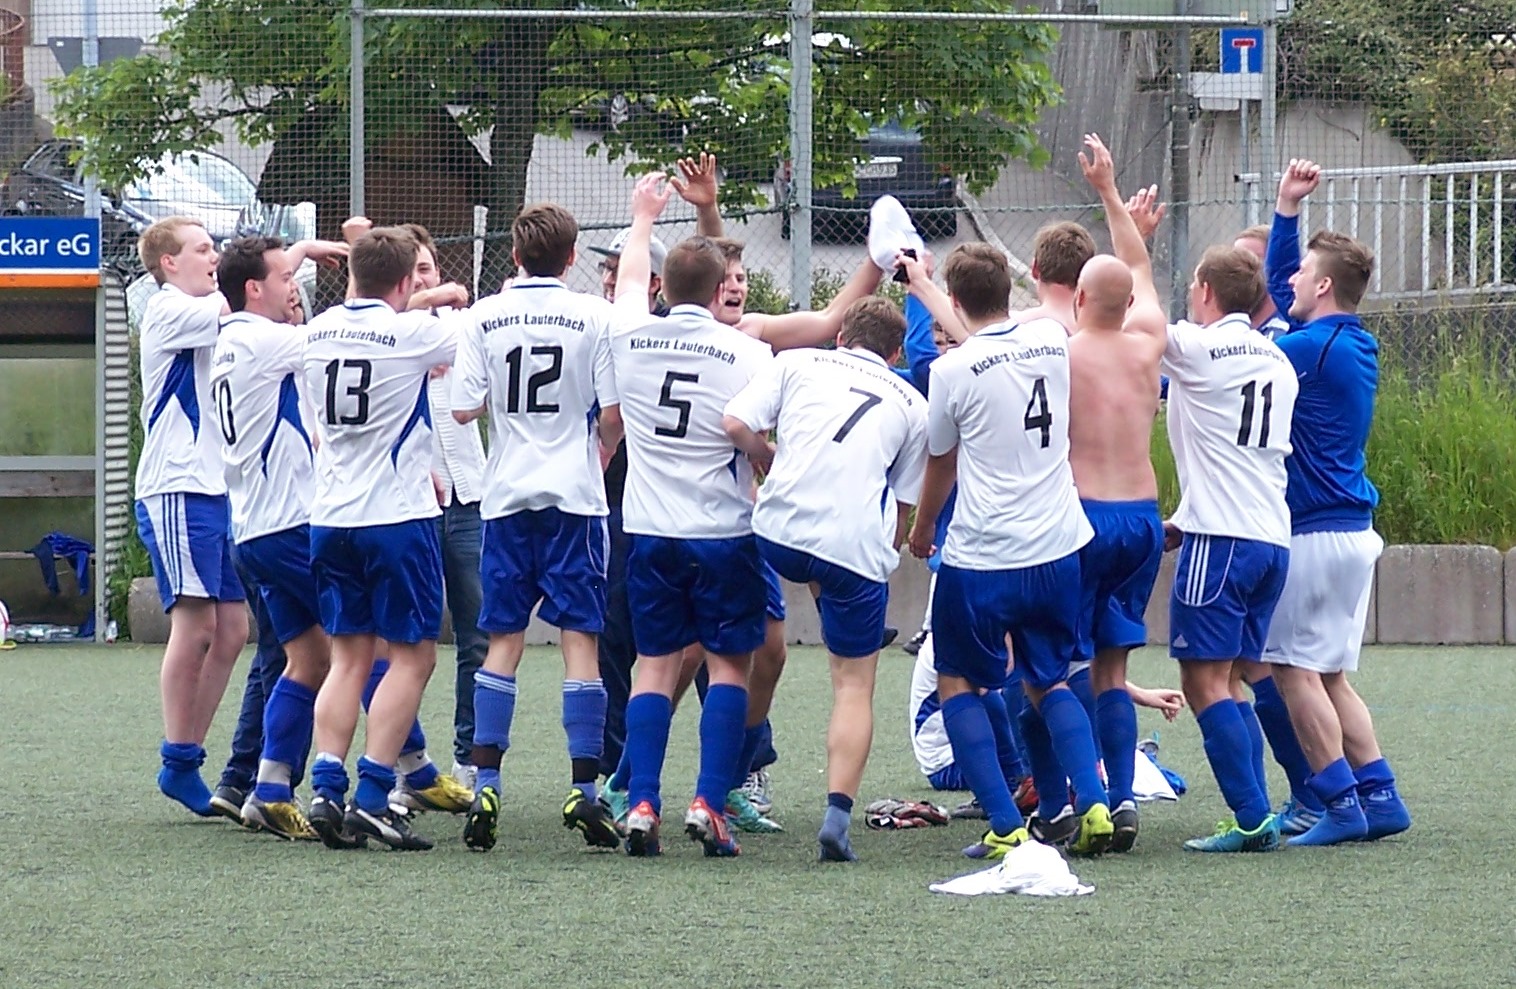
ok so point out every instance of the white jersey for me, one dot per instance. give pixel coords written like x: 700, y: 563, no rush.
x: 929, y: 738
x: 1002, y: 398
x: 366, y: 369
x: 676, y: 374
x: 1231, y: 394
x: 264, y: 424
x: 541, y: 355
x: 852, y: 442
x: 181, y: 448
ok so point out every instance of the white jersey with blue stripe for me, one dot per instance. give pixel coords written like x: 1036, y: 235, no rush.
x: 257, y: 381
x: 366, y: 370
x: 929, y: 738
x: 181, y: 449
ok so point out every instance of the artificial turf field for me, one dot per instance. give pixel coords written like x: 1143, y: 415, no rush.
x: 106, y: 883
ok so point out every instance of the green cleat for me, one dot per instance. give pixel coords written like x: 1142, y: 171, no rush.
x: 745, y: 817
x: 480, y: 829
x: 994, y: 846
x: 1231, y: 838
x: 1095, y: 831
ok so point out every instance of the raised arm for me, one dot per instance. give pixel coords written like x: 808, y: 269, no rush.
x: 812, y: 329
x: 1282, y: 259
x: 1146, y: 314
x: 649, y: 197
x: 696, y: 185
x: 920, y: 345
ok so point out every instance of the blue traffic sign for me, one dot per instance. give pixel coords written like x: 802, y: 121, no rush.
x: 1241, y: 50
x: 49, y: 244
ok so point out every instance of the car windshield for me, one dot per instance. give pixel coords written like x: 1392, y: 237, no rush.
x: 210, y: 181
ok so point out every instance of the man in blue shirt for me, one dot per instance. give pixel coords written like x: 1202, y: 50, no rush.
x: 1317, y: 630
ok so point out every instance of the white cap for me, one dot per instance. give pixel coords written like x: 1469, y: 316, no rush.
x: 656, y: 251
x: 890, y: 232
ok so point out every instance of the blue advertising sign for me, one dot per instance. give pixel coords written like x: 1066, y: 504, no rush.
x: 49, y: 245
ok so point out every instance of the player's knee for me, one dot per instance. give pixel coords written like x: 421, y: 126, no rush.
x: 308, y: 658
x: 192, y: 624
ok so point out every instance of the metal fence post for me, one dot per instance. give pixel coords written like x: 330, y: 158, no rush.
x: 801, y: 115
x: 1179, y: 166
x: 91, y: 59
x: 355, y: 113
x: 1267, y: 162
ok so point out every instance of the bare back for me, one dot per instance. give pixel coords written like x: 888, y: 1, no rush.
x: 1113, y: 400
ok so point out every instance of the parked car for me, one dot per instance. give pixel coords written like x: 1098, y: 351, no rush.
x: 891, y: 162
x: 203, y: 185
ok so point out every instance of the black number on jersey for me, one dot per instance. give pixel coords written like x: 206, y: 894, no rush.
x: 224, y: 411
x: 355, y: 390
x: 1043, y: 419
x: 1249, y: 400
x: 681, y: 405
x: 536, y: 382
x: 869, y: 401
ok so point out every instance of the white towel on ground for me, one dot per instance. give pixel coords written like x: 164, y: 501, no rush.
x: 1148, y: 782
x: 1032, y: 869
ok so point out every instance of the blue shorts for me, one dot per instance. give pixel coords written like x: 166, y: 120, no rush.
x: 1041, y: 607
x: 1224, y: 595
x: 774, y: 604
x: 188, y: 538
x: 852, y: 606
x: 280, y: 565
x: 548, y: 556
x: 1120, y: 566
x: 383, y: 580
x: 683, y: 591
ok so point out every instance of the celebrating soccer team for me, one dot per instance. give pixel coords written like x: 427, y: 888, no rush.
x: 659, y: 459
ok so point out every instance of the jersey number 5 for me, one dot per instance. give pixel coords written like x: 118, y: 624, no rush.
x: 1249, y: 400
x: 1043, y: 419
x: 356, y: 390
x: 680, y: 405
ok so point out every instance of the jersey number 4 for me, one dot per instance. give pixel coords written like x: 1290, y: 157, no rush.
x: 1038, y: 416
x: 1249, y: 400
x: 355, y: 377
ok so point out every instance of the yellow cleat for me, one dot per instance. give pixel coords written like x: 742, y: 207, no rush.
x: 446, y: 795
x: 283, y: 819
x: 994, y: 846
x: 1095, y: 832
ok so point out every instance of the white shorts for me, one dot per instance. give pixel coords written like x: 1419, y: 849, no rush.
x: 1318, y: 624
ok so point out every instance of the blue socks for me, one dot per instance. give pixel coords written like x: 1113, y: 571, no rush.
x: 179, y: 779
x: 752, y: 741
x: 973, y: 740
x: 415, y: 740
x: 1084, y: 689
x: 648, y: 717
x: 329, y: 777
x: 1116, y: 723
x: 1344, y: 820
x: 1229, y: 749
x: 1047, y: 772
x: 288, y: 718
x: 584, y: 726
x: 1007, y: 744
x: 833, y: 838
x: 1074, y: 741
x: 1386, y: 813
x: 1274, y: 718
x: 494, y: 709
x: 375, y: 781
x: 1255, y: 740
x: 721, y: 740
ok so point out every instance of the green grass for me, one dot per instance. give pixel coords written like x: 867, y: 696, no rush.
x: 108, y: 884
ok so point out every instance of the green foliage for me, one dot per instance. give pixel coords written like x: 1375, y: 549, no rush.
x: 764, y: 294
x: 974, y: 89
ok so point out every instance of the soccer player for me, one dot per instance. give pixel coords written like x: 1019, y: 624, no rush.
x: 1315, y: 638
x: 852, y: 446
x: 998, y: 417
x: 540, y: 354
x: 1231, y: 393
x: 182, y: 511
x: 264, y: 422
x: 693, y: 572
x: 1119, y: 336
x: 1269, y: 319
x: 374, y: 547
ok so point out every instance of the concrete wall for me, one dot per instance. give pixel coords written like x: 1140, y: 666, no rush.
x: 1423, y: 595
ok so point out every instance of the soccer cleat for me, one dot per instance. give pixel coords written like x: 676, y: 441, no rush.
x: 1296, y: 818
x: 1025, y: 796
x: 642, y: 832
x: 1095, y: 831
x: 913, y: 645
x: 708, y: 827
x: 282, y: 819
x: 745, y: 817
x: 994, y: 846
x: 328, y: 820
x: 1385, y: 813
x: 390, y: 827
x: 756, y: 786
x: 227, y: 801
x: 446, y: 795
x: 479, y: 830
x: 584, y: 815
x: 1343, y: 822
x: 1231, y: 838
x: 1124, y: 820
x: 970, y: 811
x: 616, y: 804
x: 1057, y: 831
